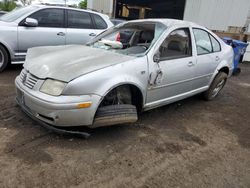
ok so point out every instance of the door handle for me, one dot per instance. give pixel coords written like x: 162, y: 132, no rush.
x: 217, y: 58
x: 92, y: 34
x: 190, y: 63
x: 61, y: 34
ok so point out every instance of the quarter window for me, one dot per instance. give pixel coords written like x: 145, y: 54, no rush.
x: 79, y: 19
x: 215, y: 44
x: 203, y: 42
x: 49, y: 17
x: 99, y: 22
x: 177, y: 45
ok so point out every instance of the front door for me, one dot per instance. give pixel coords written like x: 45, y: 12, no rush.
x: 49, y: 32
x: 171, y: 77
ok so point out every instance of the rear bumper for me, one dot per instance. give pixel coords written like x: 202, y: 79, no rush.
x: 58, y: 111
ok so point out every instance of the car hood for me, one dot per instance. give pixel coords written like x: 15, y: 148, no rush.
x: 2, y: 24
x: 66, y: 63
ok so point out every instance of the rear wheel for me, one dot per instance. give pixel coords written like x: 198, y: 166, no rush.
x: 4, y: 58
x: 216, y: 86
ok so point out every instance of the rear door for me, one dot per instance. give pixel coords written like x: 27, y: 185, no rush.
x: 208, y: 51
x: 81, y: 27
x: 49, y: 32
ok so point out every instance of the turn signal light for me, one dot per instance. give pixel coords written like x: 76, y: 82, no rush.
x: 84, y: 105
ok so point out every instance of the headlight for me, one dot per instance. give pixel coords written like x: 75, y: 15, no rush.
x: 53, y: 87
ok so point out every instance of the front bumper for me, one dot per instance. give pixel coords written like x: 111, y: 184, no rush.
x: 58, y: 111
x: 52, y: 128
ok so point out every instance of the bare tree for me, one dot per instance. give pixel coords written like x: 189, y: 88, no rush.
x: 26, y: 2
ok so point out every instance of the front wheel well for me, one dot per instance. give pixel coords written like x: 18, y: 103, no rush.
x: 124, y: 94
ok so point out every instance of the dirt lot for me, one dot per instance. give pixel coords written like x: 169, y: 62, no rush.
x: 191, y: 143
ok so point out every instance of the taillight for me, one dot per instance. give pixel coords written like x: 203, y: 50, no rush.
x: 118, y: 37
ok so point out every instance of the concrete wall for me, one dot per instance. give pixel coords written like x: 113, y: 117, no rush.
x: 217, y: 14
x: 213, y: 14
x: 248, y: 23
x: 103, y: 6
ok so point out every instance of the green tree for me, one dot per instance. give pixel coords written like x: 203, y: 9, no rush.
x: 83, y: 4
x: 7, y: 5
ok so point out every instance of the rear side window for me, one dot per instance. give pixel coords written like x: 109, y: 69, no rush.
x: 215, y: 44
x: 49, y: 17
x: 99, y: 22
x: 203, y: 42
x: 79, y: 20
x: 177, y: 45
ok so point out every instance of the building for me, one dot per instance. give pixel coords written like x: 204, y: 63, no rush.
x: 224, y: 16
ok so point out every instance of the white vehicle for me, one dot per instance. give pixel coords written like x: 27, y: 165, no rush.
x: 41, y: 25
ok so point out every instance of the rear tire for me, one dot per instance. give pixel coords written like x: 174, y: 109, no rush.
x: 4, y: 58
x: 216, y: 86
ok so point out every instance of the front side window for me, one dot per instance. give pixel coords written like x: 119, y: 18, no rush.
x: 135, y: 38
x: 203, y: 42
x: 99, y: 22
x: 176, y: 45
x: 79, y: 20
x: 49, y: 18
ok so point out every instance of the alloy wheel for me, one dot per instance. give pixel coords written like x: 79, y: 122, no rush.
x: 218, y: 87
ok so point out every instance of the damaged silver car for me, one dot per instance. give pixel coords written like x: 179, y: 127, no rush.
x: 133, y: 67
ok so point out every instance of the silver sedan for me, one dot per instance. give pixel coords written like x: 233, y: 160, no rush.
x: 133, y: 67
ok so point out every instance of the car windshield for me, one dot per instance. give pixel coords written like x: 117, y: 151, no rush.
x: 131, y: 38
x: 17, y: 13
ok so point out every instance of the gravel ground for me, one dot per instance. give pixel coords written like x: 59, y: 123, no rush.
x: 191, y: 143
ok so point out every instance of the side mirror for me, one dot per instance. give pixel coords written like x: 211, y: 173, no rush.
x: 30, y: 22
x: 157, y: 57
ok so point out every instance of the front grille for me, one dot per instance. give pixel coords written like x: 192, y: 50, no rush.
x: 28, y: 79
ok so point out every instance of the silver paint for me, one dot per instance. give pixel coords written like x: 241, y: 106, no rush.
x: 91, y: 73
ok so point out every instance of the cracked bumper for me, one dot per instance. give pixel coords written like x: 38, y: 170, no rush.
x: 58, y: 111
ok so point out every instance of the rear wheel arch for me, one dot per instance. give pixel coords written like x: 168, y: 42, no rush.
x: 224, y: 69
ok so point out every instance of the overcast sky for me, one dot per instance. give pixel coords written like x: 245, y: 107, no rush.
x: 57, y: 1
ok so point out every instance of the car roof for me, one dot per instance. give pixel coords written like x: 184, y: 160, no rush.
x: 69, y: 8
x: 170, y: 22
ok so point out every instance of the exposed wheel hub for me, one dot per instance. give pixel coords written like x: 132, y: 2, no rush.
x: 218, y: 87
